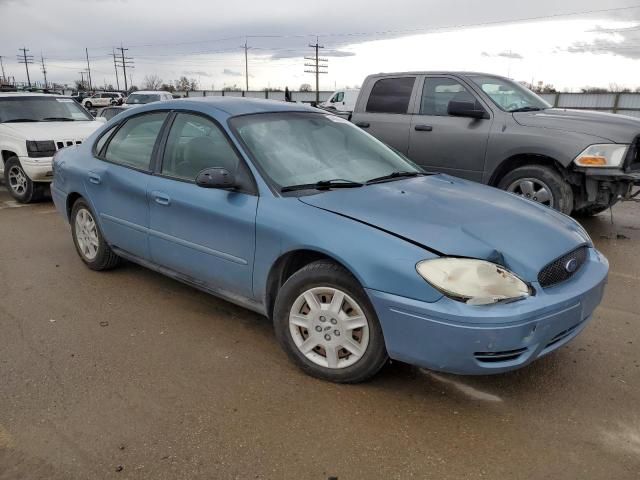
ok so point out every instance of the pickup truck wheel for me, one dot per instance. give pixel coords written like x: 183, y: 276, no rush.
x: 20, y: 186
x: 88, y: 239
x: 325, y: 323
x: 541, y: 184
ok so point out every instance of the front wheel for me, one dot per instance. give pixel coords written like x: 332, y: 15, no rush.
x: 88, y: 239
x: 541, y: 184
x: 326, y: 324
x: 88, y: 105
x: 20, y: 186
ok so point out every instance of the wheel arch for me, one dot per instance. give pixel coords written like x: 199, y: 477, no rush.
x: 522, y: 159
x: 72, y: 198
x: 288, y: 264
x: 6, y: 155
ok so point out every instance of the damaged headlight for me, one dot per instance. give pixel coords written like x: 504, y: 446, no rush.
x: 604, y: 155
x: 475, y: 282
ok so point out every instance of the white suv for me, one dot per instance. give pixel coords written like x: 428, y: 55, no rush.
x: 33, y: 127
x: 142, y: 97
x: 103, y: 99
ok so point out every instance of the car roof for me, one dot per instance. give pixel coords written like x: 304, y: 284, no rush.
x: 30, y: 94
x: 460, y: 73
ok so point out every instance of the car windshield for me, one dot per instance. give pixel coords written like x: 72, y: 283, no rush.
x: 41, y: 109
x: 305, y: 148
x: 509, y: 96
x: 142, y: 98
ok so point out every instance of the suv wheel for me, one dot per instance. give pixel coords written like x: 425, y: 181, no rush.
x: 324, y: 321
x: 20, y: 186
x: 88, y: 105
x: 88, y: 239
x: 541, y: 184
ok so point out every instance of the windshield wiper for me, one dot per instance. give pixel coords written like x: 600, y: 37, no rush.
x: 58, y: 119
x: 18, y: 120
x: 393, y: 176
x: 323, y: 185
x: 526, y: 109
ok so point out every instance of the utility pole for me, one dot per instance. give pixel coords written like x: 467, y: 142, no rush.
x: 246, y: 64
x: 124, y: 62
x: 26, y: 59
x: 82, y: 78
x: 115, y: 67
x: 86, y: 51
x: 44, y: 70
x: 318, y: 67
x: 4, y: 78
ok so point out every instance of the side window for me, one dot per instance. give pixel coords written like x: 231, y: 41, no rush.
x: 438, y: 92
x: 339, y: 97
x: 103, y: 139
x: 132, y: 145
x: 391, y: 95
x: 196, y: 143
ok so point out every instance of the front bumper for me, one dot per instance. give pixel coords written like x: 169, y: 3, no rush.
x: 453, y: 337
x: 612, y: 175
x: 37, y: 169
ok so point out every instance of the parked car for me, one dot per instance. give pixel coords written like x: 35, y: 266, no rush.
x: 352, y: 250
x: 109, y: 112
x: 33, y: 127
x: 342, y: 100
x: 103, y: 99
x: 143, y: 97
x: 80, y: 96
x: 492, y: 130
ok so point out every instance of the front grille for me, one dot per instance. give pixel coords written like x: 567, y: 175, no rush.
x: 557, y: 271
x: 633, y: 157
x: 495, y: 357
x: 66, y: 143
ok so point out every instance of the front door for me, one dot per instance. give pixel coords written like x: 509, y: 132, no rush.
x: 440, y: 142
x: 205, y: 234
x: 117, y: 182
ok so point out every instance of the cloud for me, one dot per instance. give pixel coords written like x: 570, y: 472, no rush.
x: 231, y: 73
x: 198, y: 73
x: 300, y: 53
x: 621, y: 41
x: 505, y: 54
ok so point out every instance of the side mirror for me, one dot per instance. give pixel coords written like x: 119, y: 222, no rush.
x: 466, y: 109
x: 216, y: 178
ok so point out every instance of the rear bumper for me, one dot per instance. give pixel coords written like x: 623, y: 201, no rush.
x: 453, y: 337
x: 37, y: 169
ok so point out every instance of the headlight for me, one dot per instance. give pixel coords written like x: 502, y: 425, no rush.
x: 475, y: 282
x: 40, y: 148
x: 604, y: 155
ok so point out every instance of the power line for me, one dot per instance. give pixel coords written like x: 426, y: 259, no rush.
x: 124, y: 62
x: 44, y: 70
x: 26, y: 59
x: 86, y: 51
x: 317, y: 67
x: 246, y: 64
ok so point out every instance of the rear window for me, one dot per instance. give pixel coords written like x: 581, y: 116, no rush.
x: 391, y: 95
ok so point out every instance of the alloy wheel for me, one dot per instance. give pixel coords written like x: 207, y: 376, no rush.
x: 533, y: 189
x: 86, y: 234
x: 329, y: 327
x: 18, y: 180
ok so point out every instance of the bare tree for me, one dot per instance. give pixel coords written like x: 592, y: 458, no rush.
x: 152, y: 82
x: 305, y: 87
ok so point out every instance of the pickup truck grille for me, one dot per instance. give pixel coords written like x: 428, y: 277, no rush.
x: 66, y: 143
x: 562, y: 268
x: 633, y: 157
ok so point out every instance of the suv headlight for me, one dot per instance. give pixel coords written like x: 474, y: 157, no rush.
x: 603, y: 155
x: 40, y: 148
x: 475, y: 282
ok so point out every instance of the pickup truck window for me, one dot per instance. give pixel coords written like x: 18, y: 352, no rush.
x: 438, y: 92
x: 509, y: 96
x: 391, y: 95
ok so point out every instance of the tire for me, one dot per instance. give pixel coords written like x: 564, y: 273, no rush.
x: 88, y: 105
x: 530, y: 181
x: 20, y: 186
x: 590, y: 210
x: 356, y: 325
x: 88, y: 239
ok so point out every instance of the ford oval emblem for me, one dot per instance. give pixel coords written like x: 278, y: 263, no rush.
x: 571, y: 265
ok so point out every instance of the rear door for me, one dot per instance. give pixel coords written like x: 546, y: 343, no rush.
x: 440, y: 142
x: 117, y: 181
x: 205, y: 234
x: 386, y: 114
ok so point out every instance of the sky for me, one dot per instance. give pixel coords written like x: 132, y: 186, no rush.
x: 567, y: 43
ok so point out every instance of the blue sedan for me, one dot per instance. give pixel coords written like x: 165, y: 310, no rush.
x: 354, y: 252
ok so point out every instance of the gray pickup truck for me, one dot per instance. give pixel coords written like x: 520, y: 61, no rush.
x: 492, y: 130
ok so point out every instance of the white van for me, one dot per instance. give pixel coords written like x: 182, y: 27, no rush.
x: 342, y: 100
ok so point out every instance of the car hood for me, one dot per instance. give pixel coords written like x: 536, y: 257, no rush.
x: 609, y: 126
x: 450, y: 216
x: 54, y: 130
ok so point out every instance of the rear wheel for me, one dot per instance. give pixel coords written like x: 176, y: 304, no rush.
x: 326, y: 324
x: 541, y: 184
x: 88, y: 239
x: 88, y: 105
x: 20, y: 186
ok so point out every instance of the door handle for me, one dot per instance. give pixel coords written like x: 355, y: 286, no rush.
x: 363, y: 124
x: 161, y: 198
x: 94, y: 178
x: 423, y: 128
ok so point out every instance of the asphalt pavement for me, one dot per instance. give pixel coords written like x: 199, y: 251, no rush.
x: 131, y: 375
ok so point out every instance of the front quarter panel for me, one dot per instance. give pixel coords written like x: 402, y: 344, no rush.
x: 379, y: 260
